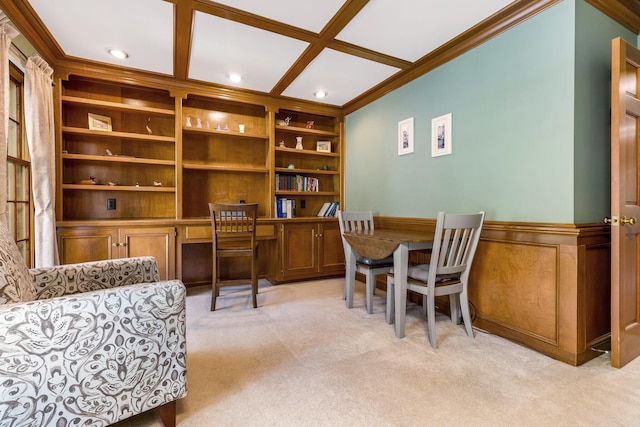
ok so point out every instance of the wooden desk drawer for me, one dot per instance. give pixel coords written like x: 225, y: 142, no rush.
x: 203, y: 232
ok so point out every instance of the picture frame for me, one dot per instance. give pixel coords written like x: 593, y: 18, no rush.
x: 405, y: 136
x: 323, y: 146
x: 441, y: 130
x: 98, y: 122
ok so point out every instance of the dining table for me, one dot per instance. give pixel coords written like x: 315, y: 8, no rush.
x: 380, y: 243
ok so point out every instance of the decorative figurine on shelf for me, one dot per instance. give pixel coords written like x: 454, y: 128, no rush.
x: 218, y: 127
x: 299, y: 143
x: 199, y: 123
x: 188, y: 124
x: 226, y: 126
x: 310, y: 124
x: 109, y: 153
x: 287, y: 120
x: 137, y: 184
x: 157, y: 183
x: 282, y: 144
x: 113, y: 183
x: 147, y: 126
x: 90, y: 181
x: 208, y: 125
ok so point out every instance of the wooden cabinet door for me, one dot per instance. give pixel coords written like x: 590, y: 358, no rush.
x: 158, y: 242
x: 299, y: 250
x: 310, y: 250
x: 87, y: 244
x: 332, y: 259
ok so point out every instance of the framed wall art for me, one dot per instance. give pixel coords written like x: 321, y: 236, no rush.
x: 323, y: 146
x: 441, y: 135
x: 97, y: 122
x: 405, y: 136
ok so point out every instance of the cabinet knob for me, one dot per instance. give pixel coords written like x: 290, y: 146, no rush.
x: 115, y: 245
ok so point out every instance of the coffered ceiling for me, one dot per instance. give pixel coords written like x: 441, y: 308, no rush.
x: 355, y: 50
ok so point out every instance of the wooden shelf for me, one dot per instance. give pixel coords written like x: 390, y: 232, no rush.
x: 306, y: 152
x: 306, y: 131
x: 201, y: 131
x: 306, y: 171
x: 223, y: 168
x: 125, y: 135
x: 307, y: 193
x: 145, y: 189
x: 117, y: 159
x: 118, y: 106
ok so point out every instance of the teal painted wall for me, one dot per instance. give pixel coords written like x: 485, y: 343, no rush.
x: 592, y: 159
x: 513, y: 103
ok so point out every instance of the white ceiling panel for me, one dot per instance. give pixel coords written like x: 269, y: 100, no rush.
x: 86, y: 29
x: 265, y: 40
x: 409, y: 29
x: 343, y: 76
x: 221, y: 47
x: 310, y: 15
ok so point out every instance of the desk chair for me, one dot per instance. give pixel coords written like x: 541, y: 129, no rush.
x: 454, y: 245
x: 234, y: 235
x: 350, y: 221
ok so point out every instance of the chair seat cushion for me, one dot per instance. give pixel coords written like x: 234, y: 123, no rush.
x: 374, y: 262
x: 15, y: 280
x: 419, y: 272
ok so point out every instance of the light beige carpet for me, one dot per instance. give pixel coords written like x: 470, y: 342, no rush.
x: 303, y: 359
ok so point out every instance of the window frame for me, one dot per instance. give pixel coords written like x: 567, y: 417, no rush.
x: 19, y: 197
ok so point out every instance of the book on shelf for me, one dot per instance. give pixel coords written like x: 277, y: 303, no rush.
x: 328, y: 209
x: 285, y: 208
x: 296, y: 183
x: 324, y: 208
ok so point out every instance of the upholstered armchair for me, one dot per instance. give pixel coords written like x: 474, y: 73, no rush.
x: 88, y: 344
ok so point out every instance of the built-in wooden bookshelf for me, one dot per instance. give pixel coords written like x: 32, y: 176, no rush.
x: 292, y: 160
x: 222, y: 162
x: 127, y: 170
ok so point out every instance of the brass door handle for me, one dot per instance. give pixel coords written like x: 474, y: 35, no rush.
x: 625, y: 220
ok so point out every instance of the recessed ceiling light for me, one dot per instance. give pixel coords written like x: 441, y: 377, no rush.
x: 235, y: 77
x: 321, y: 94
x: 120, y: 54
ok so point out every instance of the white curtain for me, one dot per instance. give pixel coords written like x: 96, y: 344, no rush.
x: 6, y: 34
x: 41, y: 139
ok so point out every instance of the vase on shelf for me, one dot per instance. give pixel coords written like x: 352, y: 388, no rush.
x: 299, y: 143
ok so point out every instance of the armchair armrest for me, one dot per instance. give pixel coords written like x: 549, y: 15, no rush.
x: 50, y: 282
x: 93, y: 358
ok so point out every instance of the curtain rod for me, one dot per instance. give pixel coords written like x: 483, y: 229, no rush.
x: 22, y: 57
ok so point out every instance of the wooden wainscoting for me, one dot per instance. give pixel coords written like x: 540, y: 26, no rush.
x: 543, y: 285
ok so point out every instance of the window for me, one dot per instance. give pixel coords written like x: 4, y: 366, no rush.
x: 18, y: 169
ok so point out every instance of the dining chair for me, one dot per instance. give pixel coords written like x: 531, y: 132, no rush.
x: 234, y: 235
x: 454, y: 245
x: 352, y: 221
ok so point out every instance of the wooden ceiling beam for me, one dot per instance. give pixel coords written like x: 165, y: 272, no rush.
x: 183, y: 30
x: 340, y: 20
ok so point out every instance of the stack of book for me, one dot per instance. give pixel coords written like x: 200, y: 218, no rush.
x: 328, y: 209
x: 296, y: 183
x: 285, y: 208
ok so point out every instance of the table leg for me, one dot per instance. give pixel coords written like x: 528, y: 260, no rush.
x: 350, y: 275
x: 400, y: 266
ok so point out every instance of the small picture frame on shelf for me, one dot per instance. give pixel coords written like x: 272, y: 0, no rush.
x: 97, y: 122
x: 323, y: 146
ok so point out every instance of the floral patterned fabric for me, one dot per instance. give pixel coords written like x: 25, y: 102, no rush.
x: 15, y: 283
x: 94, y: 348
